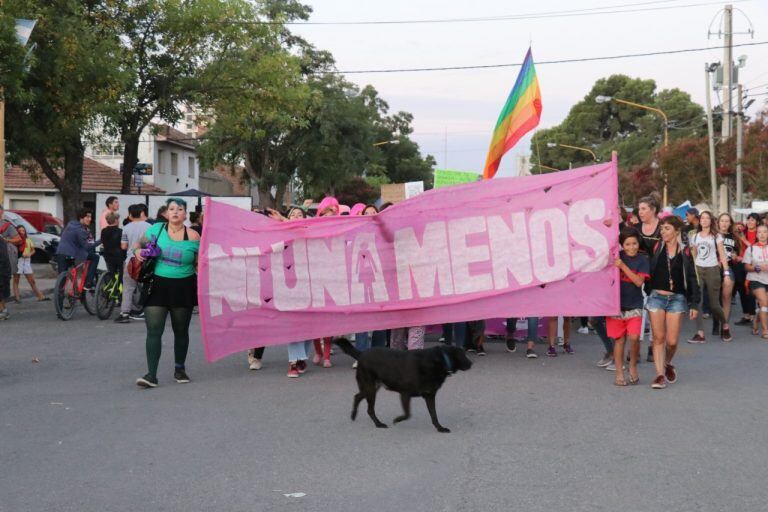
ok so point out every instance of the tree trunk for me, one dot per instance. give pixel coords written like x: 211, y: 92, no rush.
x: 73, y: 179
x: 130, y: 159
x: 280, y: 195
x: 265, y: 197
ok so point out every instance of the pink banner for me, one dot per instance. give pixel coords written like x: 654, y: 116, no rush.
x: 528, y: 246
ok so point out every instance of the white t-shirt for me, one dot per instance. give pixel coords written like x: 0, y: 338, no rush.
x: 132, y: 233
x: 757, y: 255
x: 706, y: 250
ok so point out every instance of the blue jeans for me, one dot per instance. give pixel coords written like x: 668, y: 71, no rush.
x: 364, y: 341
x: 297, y: 351
x: 455, y: 334
x: 675, y: 303
x: 533, y: 328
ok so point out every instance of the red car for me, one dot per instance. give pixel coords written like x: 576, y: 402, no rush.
x: 43, y: 221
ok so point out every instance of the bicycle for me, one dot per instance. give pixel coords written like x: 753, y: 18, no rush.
x: 109, y: 293
x: 70, y: 289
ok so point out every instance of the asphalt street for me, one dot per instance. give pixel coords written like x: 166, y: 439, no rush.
x: 551, y: 434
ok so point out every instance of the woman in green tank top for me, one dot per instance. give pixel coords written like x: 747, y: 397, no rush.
x: 173, y: 290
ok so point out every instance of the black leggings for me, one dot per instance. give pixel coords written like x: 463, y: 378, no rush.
x: 155, y: 317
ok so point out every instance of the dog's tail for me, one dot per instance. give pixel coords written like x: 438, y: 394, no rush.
x: 347, y: 347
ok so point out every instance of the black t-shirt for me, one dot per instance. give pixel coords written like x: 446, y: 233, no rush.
x: 648, y: 242
x: 660, y: 275
x: 632, y: 295
x: 730, y: 245
x: 110, y: 239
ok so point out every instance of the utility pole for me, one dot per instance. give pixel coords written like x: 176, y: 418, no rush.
x: 445, y: 149
x: 711, y: 132
x: 727, y: 71
x: 2, y: 147
x: 739, y: 145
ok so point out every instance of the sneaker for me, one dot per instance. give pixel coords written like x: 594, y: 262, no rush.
x: 670, y: 374
x: 716, y: 328
x: 511, y: 345
x: 612, y: 367
x: 4, y: 315
x: 293, y: 370
x: 650, y: 355
x: 181, y: 376
x: 560, y: 342
x: 123, y: 318
x: 605, y: 361
x: 147, y: 381
x: 471, y: 349
x: 727, y: 336
x: 706, y: 316
x: 481, y: 351
x: 567, y: 348
x: 531, y: 354
x: 354, y: 365
x: 744, y: 321
x: 301, y: 366
x: 136, y: 315
x: 583, y: 330
x: 697, y: 339
x: 327, y: 363
x: 551, y: 352
x: 659, y: 382
x: 253, y: 363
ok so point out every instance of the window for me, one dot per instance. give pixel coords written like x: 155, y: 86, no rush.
x: 191, y: 166
x: 174, y: 164
x: 160, y: 167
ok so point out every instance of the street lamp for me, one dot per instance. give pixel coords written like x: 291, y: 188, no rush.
x: 557, y: 144
x: 382, y: 143
x: 606, y: 99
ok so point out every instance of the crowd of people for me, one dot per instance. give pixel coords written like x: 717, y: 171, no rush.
x: 669, y: 269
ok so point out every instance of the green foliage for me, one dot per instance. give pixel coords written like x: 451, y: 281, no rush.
x: 53, y: 97
x: 605, y: 127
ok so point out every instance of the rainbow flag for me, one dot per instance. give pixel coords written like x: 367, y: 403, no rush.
x: 520, y: 115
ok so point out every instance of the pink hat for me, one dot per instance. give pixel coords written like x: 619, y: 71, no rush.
x: 328, y: 202
x: 357, y: 209
x: 343, y: 209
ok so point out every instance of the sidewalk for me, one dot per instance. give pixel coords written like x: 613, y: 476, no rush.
x: 45, y: 278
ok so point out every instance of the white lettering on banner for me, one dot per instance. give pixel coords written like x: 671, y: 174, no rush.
x: 420, y: 261
x: 299, y: 296
x: 462, y: 255
x: 229, y: 279
x: 510, y: 251
x: 541, y: 223
x: 328, y: 271
x: 545, y: 246
x: 584, y: 234
x: 367, y: 281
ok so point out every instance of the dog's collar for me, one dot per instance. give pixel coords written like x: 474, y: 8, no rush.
x: 448, y: 365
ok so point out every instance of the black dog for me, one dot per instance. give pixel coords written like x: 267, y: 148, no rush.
x: 410, y: 373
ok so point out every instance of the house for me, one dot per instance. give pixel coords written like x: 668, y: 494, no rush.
x: 23, y: 191
x: 167, y: 158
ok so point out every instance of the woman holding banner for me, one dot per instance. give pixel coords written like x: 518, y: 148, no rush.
x: 674, y: 290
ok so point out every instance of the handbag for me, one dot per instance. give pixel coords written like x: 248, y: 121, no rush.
x: 144, y: 271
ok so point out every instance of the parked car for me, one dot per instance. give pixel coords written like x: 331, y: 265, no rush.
x: 42, y: 241
x: 43, y: 221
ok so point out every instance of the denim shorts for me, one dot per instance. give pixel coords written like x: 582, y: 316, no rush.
x: 675, y: 303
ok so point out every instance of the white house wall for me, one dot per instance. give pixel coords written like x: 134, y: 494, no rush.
x: 46, y: 201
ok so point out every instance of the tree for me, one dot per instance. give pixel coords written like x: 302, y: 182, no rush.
x: 169, y: 55
x: 605, y: 127
x: 54, y: 97
x: 686, y: 163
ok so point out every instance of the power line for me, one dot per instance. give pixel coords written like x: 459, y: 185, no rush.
x: 609, y: 9
x: 540, y: 63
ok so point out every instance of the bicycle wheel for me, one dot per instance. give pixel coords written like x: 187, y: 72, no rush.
x: 105, y: 303
x: 88, y: 298
x: 63, y: 296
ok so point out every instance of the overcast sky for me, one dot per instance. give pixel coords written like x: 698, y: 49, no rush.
x: 467, y: 103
